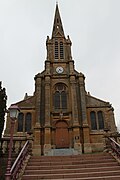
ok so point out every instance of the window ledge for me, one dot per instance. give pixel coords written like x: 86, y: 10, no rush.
x: 97, y: 132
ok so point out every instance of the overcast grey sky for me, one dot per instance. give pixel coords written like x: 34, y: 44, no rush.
x: 94, y: 28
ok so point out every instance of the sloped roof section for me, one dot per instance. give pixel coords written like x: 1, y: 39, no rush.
x: 95, y: 102
x: 27, y: 102
x: 57, y: 26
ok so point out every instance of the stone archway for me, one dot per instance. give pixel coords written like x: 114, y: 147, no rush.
x: 62, y: 135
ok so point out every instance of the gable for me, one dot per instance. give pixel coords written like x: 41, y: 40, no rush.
x: 95, y: 102
x: 29, y: 102
x: 58, y: 34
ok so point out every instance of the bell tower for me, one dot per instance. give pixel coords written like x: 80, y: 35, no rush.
x: 62, y: 120
x: 58, y: 47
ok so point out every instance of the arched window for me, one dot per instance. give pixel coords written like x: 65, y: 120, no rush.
x: 61, y: 51
x: 28, y: 121
x: 64, y: 99
x: 57, y: 100
x: 93, y: 120
x: 60, y: 96
x: 56, y: 50
x: 100, y: 120
x: 20, y: 122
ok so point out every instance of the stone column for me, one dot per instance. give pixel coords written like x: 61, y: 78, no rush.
x: 77, y: 144
x: 36, y: 142
x: 47, y: 142
x: 75, y: 121
x: 85, y: 126
x: 86, y: 136
x: 83, y: 99
x: 38, y: 98
x: 47, y: 145
x: 47, y: 101
x: 74, y: 101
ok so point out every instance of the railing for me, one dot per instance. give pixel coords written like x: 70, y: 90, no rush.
x: 19, y: 162
x: 114, y: 146
x: 18, y: 143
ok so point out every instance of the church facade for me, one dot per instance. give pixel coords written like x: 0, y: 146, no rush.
x: 61, y: 114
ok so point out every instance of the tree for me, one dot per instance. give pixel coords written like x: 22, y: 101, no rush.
x: 3, y: 100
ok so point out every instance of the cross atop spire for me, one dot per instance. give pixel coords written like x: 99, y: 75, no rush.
x: 57, y: 26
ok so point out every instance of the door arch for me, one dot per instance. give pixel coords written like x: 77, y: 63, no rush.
x: 62, y: 135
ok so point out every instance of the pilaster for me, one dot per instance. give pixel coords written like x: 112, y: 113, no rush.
x: 83, y: 99
x: 74, y: 100
x: 77, y: 144
x: 47, y: 142
x: 85, y: 126
x: 86, y: 136
x: 38, y: 97
x: 37, y: 138
x: 47, y: 101
x: 36, y: 142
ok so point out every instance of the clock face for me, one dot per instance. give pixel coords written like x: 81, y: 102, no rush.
x: 59, y: 70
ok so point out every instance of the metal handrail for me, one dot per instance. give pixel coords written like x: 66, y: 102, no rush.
x: 114, y: 146
x: 19, y: 160
x: 19, y: 156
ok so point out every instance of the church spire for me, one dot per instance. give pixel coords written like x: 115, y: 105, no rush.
x: 57, y: 26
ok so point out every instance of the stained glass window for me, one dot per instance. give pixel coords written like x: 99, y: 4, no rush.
x: 60, y: 97
x: 100, y: 120
x: 20, y: 122
x: 93, y: 120
x: 28, y: 121
x: 64, y: 99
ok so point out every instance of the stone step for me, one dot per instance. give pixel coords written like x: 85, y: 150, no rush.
x: 72, y: 166
x: 94, y: 178
x: 73, y: 175
x: 89, y: 161
x: 77, y: 170
x: 86, y: 178
x: 95, y: 155
x: 89, y: 166
x: 69, y: 158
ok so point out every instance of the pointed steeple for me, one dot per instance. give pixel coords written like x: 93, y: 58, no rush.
x: 57, y: 26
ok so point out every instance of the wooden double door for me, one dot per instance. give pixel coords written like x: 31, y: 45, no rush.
x: 62, y: 135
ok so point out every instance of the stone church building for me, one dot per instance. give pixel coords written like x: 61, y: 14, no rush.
x: 61, y: 114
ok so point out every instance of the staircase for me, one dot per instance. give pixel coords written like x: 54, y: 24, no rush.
x: 100, y: 166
